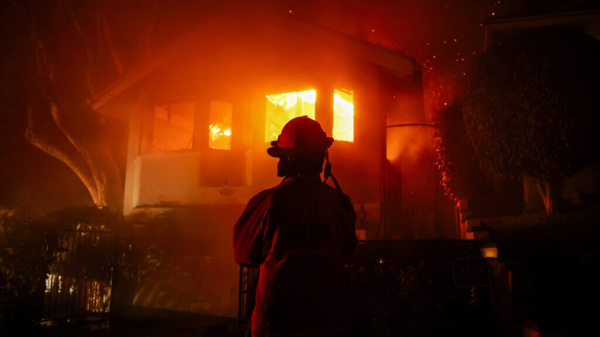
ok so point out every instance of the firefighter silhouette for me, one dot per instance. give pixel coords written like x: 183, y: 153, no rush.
x: 299, y: 233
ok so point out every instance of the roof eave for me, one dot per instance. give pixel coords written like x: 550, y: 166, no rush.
x: 404, y: 66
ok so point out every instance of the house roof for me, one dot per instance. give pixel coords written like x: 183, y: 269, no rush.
x: 402, y: 65
x: 532, y: 21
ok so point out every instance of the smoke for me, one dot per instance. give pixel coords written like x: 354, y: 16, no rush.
x: 409, y: 143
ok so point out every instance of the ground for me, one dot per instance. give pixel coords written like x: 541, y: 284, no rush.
x: 148, y: 322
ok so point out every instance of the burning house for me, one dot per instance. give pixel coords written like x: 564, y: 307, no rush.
x: 202, y: 113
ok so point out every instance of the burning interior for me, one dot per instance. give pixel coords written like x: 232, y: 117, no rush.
x: 202, y: 114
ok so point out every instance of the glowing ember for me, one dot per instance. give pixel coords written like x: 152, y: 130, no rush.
x: 281, y: 108
x: 219, y: 136
x: 343, y: 115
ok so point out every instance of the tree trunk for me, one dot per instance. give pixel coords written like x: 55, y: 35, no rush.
x: 551, y: 194
x: 74, y: 54
x: 52, y: 132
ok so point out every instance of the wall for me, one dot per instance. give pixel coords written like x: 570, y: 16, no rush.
x: 241, y: 70
x: 196, y: 272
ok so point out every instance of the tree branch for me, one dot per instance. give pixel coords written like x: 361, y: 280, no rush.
x: 41, y: 53
x: 146, y: 33
x: 550, y: 195
x: 542, y: 192
x: 86, y: 46
x: 85, y: 136
x: 42, y: 133
x: 110, y: 45
x: 60, y: 123
x: 16, y: 6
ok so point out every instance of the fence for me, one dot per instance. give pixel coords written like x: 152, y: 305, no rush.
x: 248, y: 282
x: 407, y: 288
x: 80, y: 282
x: 403, y: 288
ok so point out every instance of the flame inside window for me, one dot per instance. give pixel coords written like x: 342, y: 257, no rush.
x: 219, y: 136
x: 281, y: 108
x: 173, y: 127
x: 343, y: 115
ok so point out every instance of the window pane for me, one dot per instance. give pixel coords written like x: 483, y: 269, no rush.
x: 343, y: 115
x: 173, y: 127
x: 219, y: 136
x: 281, y: 108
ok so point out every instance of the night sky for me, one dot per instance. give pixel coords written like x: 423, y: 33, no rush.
x: 443, y: 36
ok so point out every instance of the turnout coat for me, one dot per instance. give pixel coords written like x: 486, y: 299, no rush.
x: 298, y: 232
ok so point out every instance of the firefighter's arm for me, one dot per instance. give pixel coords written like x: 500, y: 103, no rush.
x: 248, y: 233
x: 350, y: 239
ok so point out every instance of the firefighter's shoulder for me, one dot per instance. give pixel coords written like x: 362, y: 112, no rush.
x: 334, y: 191
x: 262, y: 196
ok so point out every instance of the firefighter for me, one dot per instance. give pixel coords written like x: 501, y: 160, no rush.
x: 299, y: 233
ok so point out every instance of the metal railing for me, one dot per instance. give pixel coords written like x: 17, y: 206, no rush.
x: 80, y: 281
x: 247, y: 295
x: 398, y: 288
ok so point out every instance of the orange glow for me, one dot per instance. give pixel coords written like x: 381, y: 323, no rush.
x: 409, y: 143
x: 489, y: 252
x: 219, y: 136
x: 173, y: 127
x: 343, y: 115
x: 281, y: 108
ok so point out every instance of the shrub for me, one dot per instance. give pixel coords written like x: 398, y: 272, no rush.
x: 531, y: 108
x: 461, y: 176
x: 24, y: 263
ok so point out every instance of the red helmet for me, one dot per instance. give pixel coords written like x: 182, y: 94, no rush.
x: 300, y: 135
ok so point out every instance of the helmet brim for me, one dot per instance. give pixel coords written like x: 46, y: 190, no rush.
x: 278, y: 152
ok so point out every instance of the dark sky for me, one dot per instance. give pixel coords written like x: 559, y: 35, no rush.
x: 444, y: 36
x: 405, y: 26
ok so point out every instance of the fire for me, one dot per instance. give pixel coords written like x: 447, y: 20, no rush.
x: 290, y: 99
x: 220, y: 125
x: 343, y: 115
x: 216, y: 137
x: 281, y: 108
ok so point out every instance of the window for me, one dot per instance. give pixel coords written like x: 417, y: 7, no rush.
x: 173, y: 127
x: 343, y: 115
x: 281, y: 108
x: 219, y: 136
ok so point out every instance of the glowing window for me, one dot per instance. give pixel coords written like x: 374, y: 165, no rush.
x: 173, y: 127
x: 219, y: 136
x: 343, y: 115
x: 281, y: 108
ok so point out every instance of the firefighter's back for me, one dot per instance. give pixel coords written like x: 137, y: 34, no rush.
x: 303, y: 286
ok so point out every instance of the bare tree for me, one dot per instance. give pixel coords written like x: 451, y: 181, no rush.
x: 77, y: 56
